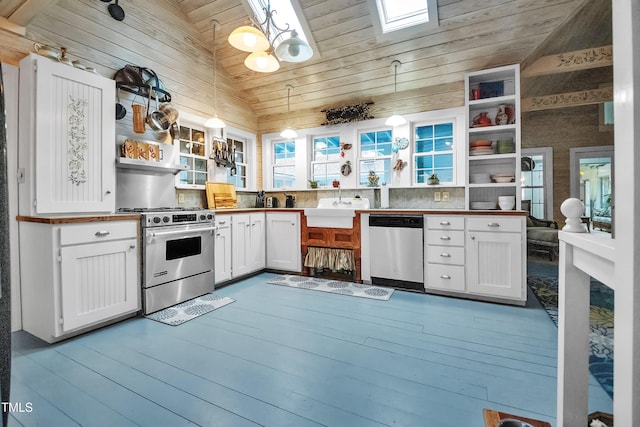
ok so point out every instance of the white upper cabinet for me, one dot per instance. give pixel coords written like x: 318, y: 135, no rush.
x: 67, y: 134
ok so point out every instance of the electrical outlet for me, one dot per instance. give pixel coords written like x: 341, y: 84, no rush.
x: 436, y: 196
x: 294, y: 198
x: 181, y: 198
x: 445, y: 196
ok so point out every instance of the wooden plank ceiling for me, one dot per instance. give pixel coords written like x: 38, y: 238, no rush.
x: 352, y: 65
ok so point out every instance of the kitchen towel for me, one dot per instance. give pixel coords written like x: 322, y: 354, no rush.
x: 333, y: 286
x: 185, y: 311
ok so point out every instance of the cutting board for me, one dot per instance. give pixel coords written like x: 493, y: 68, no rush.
x: 493, y: 418
x: 221, y: 195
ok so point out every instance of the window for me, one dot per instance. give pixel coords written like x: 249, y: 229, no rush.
x: 284, y: 164
x: 375, y: 155
x: 193, y: 155
x: 397, y: 15
x: 433, y: 152
x: 238, y: 175
x: 537, y: 183
x: 325, y: 164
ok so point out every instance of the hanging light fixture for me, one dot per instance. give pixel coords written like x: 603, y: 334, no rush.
x: 258, y: 39
x: 288, y: 133
x: 395, y: 119
x: 215, y: 122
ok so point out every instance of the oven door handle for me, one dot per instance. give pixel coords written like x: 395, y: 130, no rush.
x: 190, y: 231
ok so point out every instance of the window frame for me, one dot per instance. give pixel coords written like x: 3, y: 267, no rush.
x: 361, y: 158
x: 275, y: 165
x: 547, y: 177
x: 232, y: 139
x: 313, y: 163
x: 455, y: 144
x: 207, y: 146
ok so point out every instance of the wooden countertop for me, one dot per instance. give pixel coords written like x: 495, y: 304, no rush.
x: 383, y: 211
x: 77, y: 218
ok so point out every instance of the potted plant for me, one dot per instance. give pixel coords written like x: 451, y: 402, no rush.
x: 433, y: 179
x: 313, y: 184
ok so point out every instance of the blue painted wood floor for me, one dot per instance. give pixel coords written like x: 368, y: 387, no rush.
x: 280, y: 356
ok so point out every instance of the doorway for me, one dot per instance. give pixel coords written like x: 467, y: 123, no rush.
x: 592, y: 178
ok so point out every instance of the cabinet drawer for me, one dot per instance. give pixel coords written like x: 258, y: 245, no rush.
x: 445, y: 238
x: 453, y: 255
x: 445, y: 277
x: 92, y: 232
x: 445, y: 222
x: 493, y: 223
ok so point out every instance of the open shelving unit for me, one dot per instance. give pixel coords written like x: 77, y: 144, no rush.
x: 493, y: 88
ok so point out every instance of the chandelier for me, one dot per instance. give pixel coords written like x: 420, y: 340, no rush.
x: 265, y: 56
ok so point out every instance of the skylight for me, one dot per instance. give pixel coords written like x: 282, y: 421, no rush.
x: 285, y: 14
x: 398, y: 14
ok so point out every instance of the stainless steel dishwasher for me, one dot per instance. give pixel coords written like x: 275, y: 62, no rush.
x: 396, y: 250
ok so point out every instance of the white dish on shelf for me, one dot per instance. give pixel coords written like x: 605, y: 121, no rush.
x: 503, y: 179
x: 483, y: 205
x: 480, y: 178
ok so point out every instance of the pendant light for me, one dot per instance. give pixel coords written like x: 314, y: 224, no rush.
x: 395, y: 119
x: 215, y: 122
x: 288, y: 133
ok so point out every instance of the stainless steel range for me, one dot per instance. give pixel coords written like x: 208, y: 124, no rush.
x: 177, y: 253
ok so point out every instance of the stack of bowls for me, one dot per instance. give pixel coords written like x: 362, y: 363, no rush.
x: 507, y: 203
x: 504, y: 146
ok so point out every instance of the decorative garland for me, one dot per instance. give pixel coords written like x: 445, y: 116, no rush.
x: 77, y: 145
x: 348, y: 114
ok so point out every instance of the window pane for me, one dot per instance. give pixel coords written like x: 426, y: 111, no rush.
x: 185, y: 132
x: 201, y: 178
x: 443, y: 144
x: 443, y: 161
x: 443, y: 130
x: 200, y: 165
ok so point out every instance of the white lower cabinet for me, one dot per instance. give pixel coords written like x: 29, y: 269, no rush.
x: 283, y: 241
x: 495, y: 250
x: 223, y: 249
x: 482, y: 257
x: 444, y: 253
x: 77, y: 276
x: 247, y: 243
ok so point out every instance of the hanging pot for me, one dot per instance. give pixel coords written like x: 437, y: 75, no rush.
x: 116, y: 11
x: 156, y: 120
x: 120, y: 110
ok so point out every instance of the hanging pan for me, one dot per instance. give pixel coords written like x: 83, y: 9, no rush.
x: 116, y: 11
x: 120, y: 110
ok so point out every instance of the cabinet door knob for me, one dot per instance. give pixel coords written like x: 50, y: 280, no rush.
x: 132, y: 246
x: 473, y: 237
x: 445, y: 276
x: 445, y: 255
x: 108, y: 192
x: 493, y: 225
x: 445, y: 238
x: 445, y: 223
x: 102, y: 233
x: 222, y: 222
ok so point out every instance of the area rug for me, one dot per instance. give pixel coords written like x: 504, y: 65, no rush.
x: 601, y: 315
x: 185, y: 311
x: 333, y: 286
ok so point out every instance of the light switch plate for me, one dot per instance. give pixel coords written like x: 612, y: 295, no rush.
x: 436, y: 196
x: 181, y: 198
x: 445, y: 196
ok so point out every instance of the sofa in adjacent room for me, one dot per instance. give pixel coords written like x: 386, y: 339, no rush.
x: 542, y: 235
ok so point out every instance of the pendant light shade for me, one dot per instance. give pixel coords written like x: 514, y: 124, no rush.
x: 215, y: 122
x: 395, y: 119
x: 289, y: 133
x: 262, y: 62
x: 294, y: 49
x: 248, y: 39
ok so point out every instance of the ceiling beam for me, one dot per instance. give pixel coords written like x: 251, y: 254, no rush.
x: 28, y: 10
x: 5, y: 24
x: 571, y: 61
x: 570, y: 99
